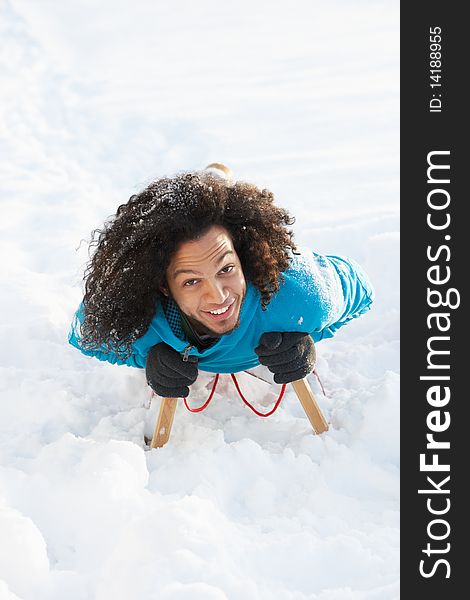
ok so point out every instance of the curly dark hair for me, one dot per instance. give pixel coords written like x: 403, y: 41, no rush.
x: 131, y: 253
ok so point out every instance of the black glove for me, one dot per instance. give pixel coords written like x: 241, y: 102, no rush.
x: 167, y: 373
x: 289, y: 355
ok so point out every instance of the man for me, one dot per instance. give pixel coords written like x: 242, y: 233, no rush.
x: 199, y: 272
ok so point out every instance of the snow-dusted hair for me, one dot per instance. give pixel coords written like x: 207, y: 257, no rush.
x: 131, y: 253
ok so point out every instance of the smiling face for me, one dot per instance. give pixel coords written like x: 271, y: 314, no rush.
x: 205, y: 278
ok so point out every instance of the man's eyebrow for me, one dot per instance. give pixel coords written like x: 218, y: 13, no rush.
x: 187, y: 271
x: 193, y: 272
x: 221, y: 259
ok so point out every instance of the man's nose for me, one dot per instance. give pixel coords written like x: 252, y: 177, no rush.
x: 215, y: 292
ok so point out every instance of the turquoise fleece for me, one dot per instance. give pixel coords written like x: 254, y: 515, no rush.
x: 319, y: 295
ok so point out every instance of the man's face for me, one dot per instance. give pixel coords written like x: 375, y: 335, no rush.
x: 206, y: 280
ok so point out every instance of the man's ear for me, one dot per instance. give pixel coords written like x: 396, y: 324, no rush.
x: 164, y: 290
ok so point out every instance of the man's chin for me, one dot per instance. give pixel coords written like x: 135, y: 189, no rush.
x: 222, y: 329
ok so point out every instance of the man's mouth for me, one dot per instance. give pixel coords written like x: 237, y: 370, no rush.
x: 219, y: 314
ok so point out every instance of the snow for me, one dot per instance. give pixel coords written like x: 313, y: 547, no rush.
x: 97, y: 99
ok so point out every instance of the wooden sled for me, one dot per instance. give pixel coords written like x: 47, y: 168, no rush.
x: 301, y: 387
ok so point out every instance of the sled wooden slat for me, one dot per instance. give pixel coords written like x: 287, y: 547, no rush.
x: 301, y: 387
x: 164, y: 422
x: 310, y: 405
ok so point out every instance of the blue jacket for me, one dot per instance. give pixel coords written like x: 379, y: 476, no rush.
x: 319, y: 295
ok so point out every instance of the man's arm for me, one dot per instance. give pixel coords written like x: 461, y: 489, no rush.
x: 351, y: 298
x: 319, y: 295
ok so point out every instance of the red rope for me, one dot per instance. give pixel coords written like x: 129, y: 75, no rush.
x: 214, y: 385
x: 194, y: 410
x: 319, y: 381
x: 278, y: 401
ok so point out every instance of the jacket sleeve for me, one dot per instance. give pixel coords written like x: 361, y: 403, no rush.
x: 351, y: 296
x: 321, y: 294
x: 134, y: 360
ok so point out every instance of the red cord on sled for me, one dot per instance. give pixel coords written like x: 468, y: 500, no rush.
x: 278, y: 401
x: 214, y: 385
x: 206, y: 403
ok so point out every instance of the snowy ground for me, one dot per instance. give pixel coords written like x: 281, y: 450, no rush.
x: 97, y: 98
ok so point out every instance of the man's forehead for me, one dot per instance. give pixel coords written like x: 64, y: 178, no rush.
x: 210, y: 247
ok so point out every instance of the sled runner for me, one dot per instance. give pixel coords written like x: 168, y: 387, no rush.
x: 301, y: 387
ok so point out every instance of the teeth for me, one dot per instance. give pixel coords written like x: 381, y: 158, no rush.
x: 220, y: 311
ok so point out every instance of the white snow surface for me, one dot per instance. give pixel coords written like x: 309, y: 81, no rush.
x: 97, y: 99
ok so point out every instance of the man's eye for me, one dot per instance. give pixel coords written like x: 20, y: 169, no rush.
x: 190, y: 282
x: 227, y: 269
